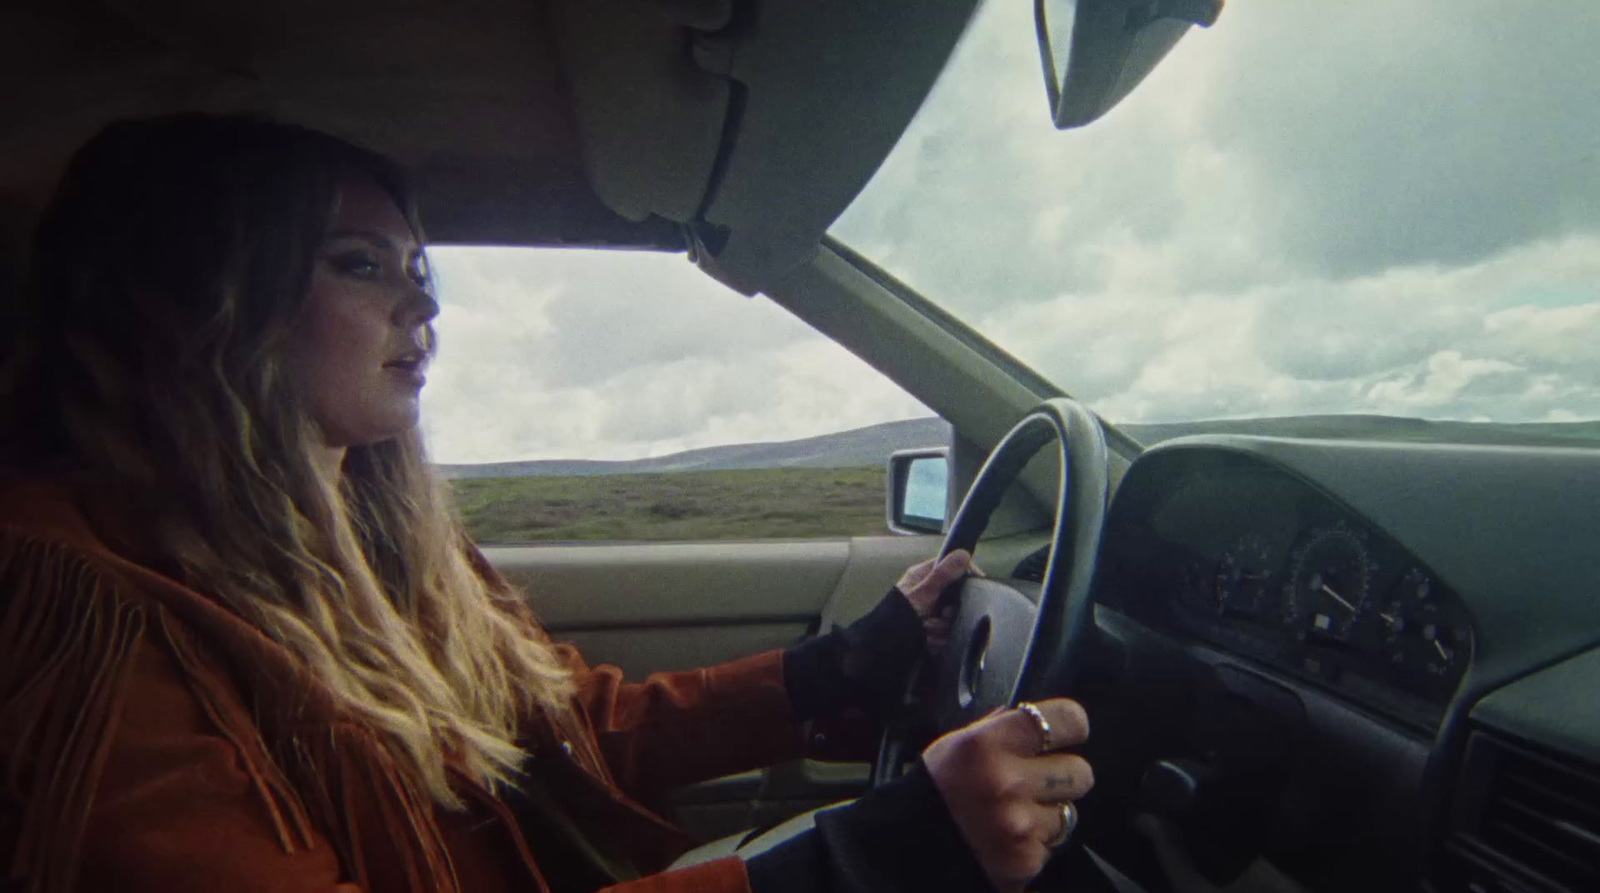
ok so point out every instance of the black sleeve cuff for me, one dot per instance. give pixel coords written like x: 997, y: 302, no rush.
x: 867, y: 664
x: 897, y: 837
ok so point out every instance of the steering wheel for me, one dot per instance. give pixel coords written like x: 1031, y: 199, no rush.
x: 1005, y: 646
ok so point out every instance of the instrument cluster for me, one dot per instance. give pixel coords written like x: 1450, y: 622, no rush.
x: 1271, y: 569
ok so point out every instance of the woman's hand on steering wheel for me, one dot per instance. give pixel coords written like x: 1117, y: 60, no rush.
x: 1009, y: 790
x: 923, y: 585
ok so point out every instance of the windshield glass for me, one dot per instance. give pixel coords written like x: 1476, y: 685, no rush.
x: 1306, y: 210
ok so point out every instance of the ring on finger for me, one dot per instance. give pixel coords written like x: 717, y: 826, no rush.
x: 1069, y: 823
x: 1037, y: 715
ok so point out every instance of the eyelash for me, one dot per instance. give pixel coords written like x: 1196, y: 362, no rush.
x: 364, y: 267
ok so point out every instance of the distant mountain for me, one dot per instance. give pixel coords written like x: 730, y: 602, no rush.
x: 846, y: 449
x: 872, y: 445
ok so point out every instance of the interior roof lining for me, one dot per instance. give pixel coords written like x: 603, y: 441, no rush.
x: 469, y: 96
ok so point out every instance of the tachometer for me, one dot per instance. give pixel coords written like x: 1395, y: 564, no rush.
x: 1327, y: 591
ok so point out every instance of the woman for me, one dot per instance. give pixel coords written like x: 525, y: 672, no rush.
x: 245, y: 644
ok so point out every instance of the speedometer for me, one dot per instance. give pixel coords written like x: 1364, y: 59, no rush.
x: 1241, y: 580
x: 1329, y: 579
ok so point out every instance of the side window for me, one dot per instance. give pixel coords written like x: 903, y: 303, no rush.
x: 620, y: 395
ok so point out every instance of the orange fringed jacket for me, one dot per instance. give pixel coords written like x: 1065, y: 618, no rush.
x: 151, y: 740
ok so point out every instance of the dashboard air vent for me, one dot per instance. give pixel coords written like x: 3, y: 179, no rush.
x: 1538, y: 813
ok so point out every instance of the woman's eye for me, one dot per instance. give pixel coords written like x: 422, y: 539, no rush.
x: 360, y: 266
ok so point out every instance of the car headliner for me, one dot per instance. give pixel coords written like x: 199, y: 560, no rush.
x: 743, y: 127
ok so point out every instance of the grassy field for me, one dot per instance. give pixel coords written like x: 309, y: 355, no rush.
x: 710, y: 505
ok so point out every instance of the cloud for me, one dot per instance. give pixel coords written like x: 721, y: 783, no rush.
x: 1477, y: 341
x: 583, y: 315
x: 551, y: 353
x: 1444, y: 377
x: 1427, y: 131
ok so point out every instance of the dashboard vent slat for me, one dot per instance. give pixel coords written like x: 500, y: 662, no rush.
x: 1541, y: 814
x: 1529, y: 843
x: 1562, y: 800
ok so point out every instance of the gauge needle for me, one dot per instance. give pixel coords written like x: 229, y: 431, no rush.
x: 1338, y: 598
x: 1440, y: 648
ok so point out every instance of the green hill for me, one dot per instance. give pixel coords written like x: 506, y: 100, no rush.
x: 689, y: 505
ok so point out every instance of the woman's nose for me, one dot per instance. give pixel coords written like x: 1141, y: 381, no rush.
x: 430, y: 308
x: 420, y: 308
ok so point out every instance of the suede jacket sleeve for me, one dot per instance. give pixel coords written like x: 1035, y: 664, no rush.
x: 678, y: 728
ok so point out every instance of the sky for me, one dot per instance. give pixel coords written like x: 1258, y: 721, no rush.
x: 1388, y: 207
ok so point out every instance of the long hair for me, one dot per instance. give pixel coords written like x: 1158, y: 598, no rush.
x: 167, y: 277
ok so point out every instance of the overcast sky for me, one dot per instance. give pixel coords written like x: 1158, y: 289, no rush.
x: 1311, y: 207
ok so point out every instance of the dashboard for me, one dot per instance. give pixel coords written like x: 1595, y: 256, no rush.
x: 1372, y: 664
x: 1247, y: 558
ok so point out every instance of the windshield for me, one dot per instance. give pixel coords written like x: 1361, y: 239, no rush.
x: 1308, y: 209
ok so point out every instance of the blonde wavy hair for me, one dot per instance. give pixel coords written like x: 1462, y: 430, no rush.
x: 166, y: 280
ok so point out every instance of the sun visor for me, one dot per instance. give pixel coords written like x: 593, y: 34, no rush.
x: 755, y: 123
x: 649, y: 118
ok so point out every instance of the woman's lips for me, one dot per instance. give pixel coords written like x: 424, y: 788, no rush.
x: 410, y: 371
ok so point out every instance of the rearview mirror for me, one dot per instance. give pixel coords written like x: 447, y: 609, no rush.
x: 919, y: 490
x: 1096, y: 51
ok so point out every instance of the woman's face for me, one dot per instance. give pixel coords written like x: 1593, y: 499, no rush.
x: 361, y: 349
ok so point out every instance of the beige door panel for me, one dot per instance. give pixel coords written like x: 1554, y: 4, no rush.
x: 876, y: 563
x: 672, y: 606
x: 668, y: 606
x: 647, y: 584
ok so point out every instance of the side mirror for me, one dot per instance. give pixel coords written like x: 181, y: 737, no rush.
x: 1096, y: 51
x: 919, y: 490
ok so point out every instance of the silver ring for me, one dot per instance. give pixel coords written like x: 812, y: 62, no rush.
x: 1069, y: 824
x: 1037, y: 715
